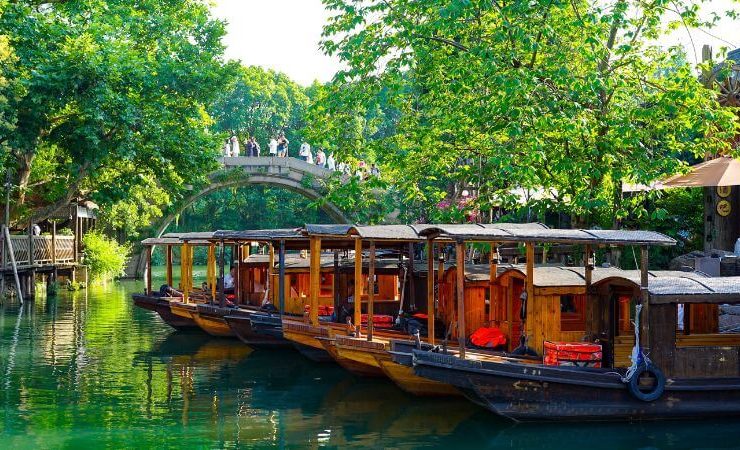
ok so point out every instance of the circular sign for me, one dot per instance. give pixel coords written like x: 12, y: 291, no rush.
x: 724, y: 208
x: 724, y: 191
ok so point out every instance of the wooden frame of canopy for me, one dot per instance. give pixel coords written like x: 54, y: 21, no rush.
x: 529, y: 236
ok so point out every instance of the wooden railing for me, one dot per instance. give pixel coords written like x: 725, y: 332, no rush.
x: 46, y: 250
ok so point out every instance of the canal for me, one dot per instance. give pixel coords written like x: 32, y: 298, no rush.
x: 88, y: 370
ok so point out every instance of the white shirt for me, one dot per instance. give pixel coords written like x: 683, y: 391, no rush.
x: 331, y: 163
x: 305, y: 149
x: 309, y: 158
x: 228, y: 281
x: 234, y: 146
x: 273, y: 147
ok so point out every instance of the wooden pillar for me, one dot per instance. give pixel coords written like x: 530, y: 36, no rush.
x: 530, y: 286
x: 148, y: 270
x: 644, y: 299
x: 168, y: 263
x: 588, y: 268
x: 221, y: 273
x: 185, y: 271
x: 411, y: 277
x: 358, y: 284
x: 430, y: 291
x: 460, y: 263
x: 77, y: 237
x: 53, y: 242
x: 492, y: 274
x: 30, y: 244
x: 315, y: 280
x: 281, y: 281
x: 370, y: 291
x: 237, y: 249
x: 270, y: 267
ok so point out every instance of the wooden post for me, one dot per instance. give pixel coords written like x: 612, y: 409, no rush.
x: 315, y: 280
x: 77, y: 237
x: 9, y: 246
x: 54, y: 242
x: 221, y: 273
x: 430, y: 291
x: 271, y: 266
x: 184, y: 270
x: 460, y: 263
x: 237, y: 249
x: 530, y: 286
x: 589, y: 268
x: 410, y: 277
x: 358, y: 283
x: 370, y: 291
x: 148, y: 270
x: 168, y: 263
x: 281, y: 281
x: 645, y: 300
x: 335, y: 283
x: 492, y: 275
x: 31, y: 256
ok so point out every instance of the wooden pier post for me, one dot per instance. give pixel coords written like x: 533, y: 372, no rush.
x: 644, y: 300
x: 9, y: 246
x: 530, y: 287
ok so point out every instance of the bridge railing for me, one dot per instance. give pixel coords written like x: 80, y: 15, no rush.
x: 47, y: 250
x: 272, y: 164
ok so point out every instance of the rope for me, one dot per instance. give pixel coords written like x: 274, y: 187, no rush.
x: 637, y: 356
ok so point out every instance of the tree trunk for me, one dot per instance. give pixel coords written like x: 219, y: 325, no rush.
x: 25, y: 160
x: 47, y: 211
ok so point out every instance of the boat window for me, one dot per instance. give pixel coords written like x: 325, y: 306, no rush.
x: 572, y: 312
x: 707, y: 319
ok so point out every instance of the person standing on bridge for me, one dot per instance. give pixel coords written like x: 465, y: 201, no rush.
x: 331, y: 163
x: 304, y: 151
x: 282, y: 147
x: 227, y: 148
x: 255, y: 146
x: 321, y: 158
x: 234, y: 146
x: 273, y: 147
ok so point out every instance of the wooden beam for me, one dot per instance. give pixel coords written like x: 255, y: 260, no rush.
x: 588, y: 267
x: 148, y: 270
x: 281, y: 275
x: 530, y: 286
x: 370, y: 291
x: 54, y: 242
x: 430, y: 291
x: 221, y: 272
x: 411, y: 276
x: 270, y: 267
x: 460, y: 261
x: 168, y: 263
x: 492, y: 274
x: 315, y: 280
x: 358, y: 284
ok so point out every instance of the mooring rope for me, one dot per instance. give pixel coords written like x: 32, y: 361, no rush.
x: 637, y: 357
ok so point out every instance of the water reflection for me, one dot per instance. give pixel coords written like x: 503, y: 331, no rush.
x: 89, y: 370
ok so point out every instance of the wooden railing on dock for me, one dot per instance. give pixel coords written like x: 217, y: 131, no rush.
x: 47, y: 250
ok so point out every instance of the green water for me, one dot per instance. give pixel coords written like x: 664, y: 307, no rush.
x: 88, y: 370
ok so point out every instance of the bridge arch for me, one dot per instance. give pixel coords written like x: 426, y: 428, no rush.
x: 289, y: 173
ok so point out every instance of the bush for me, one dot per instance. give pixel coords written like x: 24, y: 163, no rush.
x: 105, y: 258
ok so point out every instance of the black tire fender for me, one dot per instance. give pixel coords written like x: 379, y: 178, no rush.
x: 656, y: 392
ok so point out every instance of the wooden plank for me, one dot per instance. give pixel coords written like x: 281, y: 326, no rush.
x: 371, y: 291
x: 460, y: 261
x: 663, y: 337
x: 430, y: 291
x: 560, y: 290
x: 315, y: 280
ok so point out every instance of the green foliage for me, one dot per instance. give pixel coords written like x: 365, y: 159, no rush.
x: 573, y: 98
x: 110, y: 98
x: 261, y: 103
x: 105, y: 258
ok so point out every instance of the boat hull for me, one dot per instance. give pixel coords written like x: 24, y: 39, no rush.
x: 253, y: 333
x: 354, y: 367
x: 527, y: 392
x: 305, y: 339
x: 360, y: 356
x: 405, y: 378
x: 211, y: 320
x: 162, y: 307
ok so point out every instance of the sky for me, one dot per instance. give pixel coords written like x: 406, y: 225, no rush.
x: 284, y: 35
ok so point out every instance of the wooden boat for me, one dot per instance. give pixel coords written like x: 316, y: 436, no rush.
x: 161, y: 305
x: 684, y: 368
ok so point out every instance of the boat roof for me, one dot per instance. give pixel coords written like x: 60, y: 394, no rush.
x: 259, y: 235
x: 560, y: 276
x: 694, y: 290
x: 540, y: 233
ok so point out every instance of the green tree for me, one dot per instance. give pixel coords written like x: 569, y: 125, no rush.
x: 572, y: 98
x: 114, y: 98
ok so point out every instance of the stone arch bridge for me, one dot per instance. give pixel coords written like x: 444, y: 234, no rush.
x: 289, y: 173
